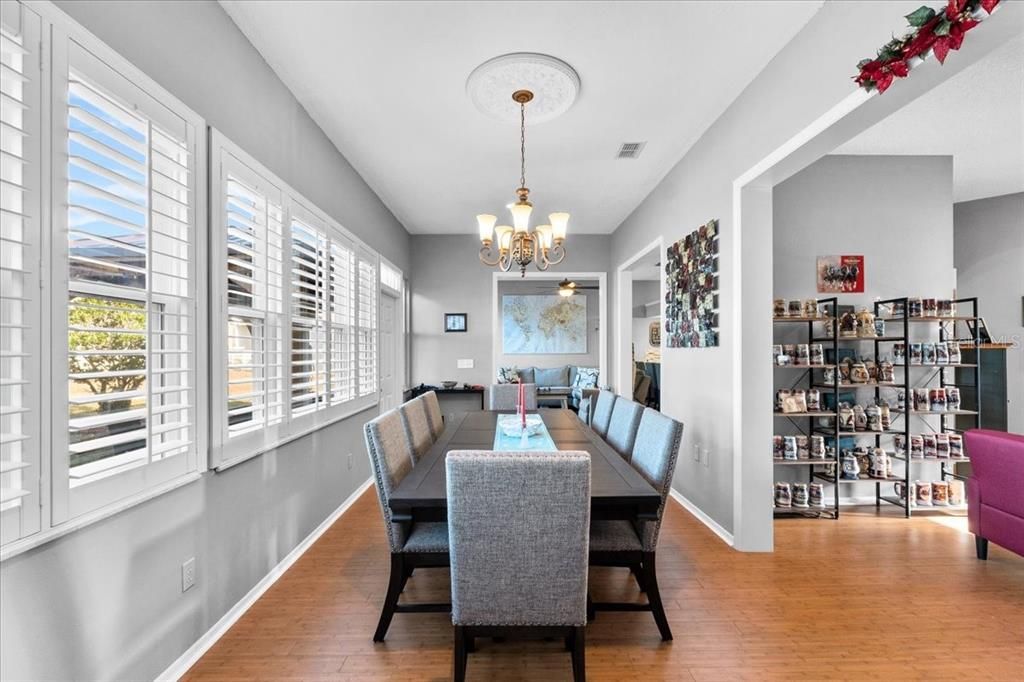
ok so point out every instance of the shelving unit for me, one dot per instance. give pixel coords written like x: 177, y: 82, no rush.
x: 947, y: 328
x: 912, y: 422
x: 807, y: 374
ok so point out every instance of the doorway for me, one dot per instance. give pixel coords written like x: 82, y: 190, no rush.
x: 639, y: 301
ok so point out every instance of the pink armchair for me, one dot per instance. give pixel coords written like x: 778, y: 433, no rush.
x: 995, y: 490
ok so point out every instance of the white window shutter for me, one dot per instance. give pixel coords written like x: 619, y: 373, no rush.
x: 129, y: 409
x: 369, y: 288
x: 21, y: 414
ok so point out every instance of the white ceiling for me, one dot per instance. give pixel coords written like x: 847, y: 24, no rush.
x: 977, y: 117
x: 386, y: 82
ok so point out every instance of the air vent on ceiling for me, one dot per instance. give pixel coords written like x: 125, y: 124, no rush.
x: 630, y: 150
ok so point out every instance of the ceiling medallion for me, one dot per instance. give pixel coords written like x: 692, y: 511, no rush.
x: 553, y: 83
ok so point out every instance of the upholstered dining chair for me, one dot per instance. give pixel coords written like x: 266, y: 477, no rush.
x: 417, y: 427
x: 601, y: 412
x: 633, y: 546
x: 433, y: 413
x: 517, y: 528
x: 412, y: 545
x: 504, y: 396
x: 623, y: 425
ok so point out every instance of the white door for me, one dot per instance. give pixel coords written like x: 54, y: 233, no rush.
x: 388, y: 354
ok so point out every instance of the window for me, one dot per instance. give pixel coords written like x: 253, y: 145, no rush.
x: 101, y: 228
x: 300, y: 322
x: 20, y: 380
x: 390, y: 277
x: 126, y: 420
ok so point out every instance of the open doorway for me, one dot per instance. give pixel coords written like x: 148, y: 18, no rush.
x: 638, y: 318
x: 549, y: 328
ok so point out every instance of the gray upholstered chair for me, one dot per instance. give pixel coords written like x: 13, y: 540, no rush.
x: 417, y: 427
x: 623, y: 425
x: 623, y: 544
x: 517, y: 528
x: 504, y: 396
x: 412, y: 544
x: 601, y: 412
x: 585, y: 408
x: 433, y: 413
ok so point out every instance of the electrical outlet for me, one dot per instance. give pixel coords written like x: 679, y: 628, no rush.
x: 707, y: 458
x: 696, y: 452
x: 188, y: 574
x: 349, y: 460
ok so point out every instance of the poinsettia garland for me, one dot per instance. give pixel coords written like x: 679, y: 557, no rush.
x: 939, y: 30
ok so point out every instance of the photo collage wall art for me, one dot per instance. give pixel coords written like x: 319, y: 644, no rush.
x: 691, y: 298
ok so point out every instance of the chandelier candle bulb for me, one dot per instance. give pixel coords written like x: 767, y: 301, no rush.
x: 543, y: 236
x: 559, y: 226
x: 485, y: 223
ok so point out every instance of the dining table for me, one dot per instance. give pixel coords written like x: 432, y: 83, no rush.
x: 617, y: 490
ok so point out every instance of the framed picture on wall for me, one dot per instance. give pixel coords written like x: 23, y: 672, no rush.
x: 455, y: 322
x: 840, y: 274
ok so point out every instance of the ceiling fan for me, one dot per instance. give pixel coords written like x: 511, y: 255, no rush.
x: 567, y: 287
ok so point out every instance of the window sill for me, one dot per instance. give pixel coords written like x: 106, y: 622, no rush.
x: 267, y: 447
x: 42, y: 537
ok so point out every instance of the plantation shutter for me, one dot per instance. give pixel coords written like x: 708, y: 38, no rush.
x: 130, y: 403
x: 255, y: 361
x: 309, y: 247
x: 342, y: 323
x: 369, y: 287
x: 20, y: 230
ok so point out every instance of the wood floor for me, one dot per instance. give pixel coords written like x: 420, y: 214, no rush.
x: 870, y: 597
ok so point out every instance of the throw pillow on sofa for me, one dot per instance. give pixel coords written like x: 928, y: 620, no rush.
x: 508, y: 375
x: 526, y: 375
x: 557, y: 376
x: 586, y: 377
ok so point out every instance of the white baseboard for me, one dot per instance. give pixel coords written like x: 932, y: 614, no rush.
x: 177, y: 669
x: 701, y: 516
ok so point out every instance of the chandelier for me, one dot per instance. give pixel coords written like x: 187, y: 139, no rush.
x: 518, y: 244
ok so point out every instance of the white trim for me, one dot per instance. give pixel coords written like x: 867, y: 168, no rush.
x: 79, y: 522
x: 179, y: 667
x: 701, y: 516
x: 624, y: 370
x: 602, y: 302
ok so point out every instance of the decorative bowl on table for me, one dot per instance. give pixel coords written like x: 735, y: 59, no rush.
x: 449, y: 384
x: 512, y: 425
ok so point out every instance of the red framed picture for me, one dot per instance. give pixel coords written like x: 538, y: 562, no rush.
x: 840, y: 274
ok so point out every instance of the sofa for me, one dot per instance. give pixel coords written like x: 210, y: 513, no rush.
x: 572, y: 382
x: 995, y: 489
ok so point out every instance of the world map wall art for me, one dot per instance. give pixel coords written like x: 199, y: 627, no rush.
x: 544, y: 324
x: 691, y: 297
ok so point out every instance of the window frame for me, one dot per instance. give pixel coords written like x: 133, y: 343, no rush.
x: 225, y: 450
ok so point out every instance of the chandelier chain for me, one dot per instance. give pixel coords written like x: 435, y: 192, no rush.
x: 522, y: 144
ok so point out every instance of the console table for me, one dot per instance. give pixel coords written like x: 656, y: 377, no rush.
x: 417, y: 391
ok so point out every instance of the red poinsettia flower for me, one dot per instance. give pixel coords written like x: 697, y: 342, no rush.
x: 989, y: 5
x: 954, y: 8
x: 924, y: 39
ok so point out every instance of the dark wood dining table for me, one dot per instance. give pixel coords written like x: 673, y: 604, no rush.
x: 617, y: 491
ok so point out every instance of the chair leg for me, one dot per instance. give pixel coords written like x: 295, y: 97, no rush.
x: 579, y: 656
x: 460, y: 654
x: 654, y: 596
x: 638, y: 574
x: 395, y: 585
x: 591, y: 611
x: 981, y: 547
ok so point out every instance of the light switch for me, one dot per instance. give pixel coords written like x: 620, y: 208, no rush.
x: 464, y: 363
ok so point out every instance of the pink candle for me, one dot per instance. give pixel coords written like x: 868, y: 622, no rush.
x: 522, y: 403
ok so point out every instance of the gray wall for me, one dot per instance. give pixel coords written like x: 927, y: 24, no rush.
x: 897, y: 211
x: 774, y: 107
x: 105, y: 602
x: 447, y: 277
x: 989, y: 259
x: 549, y: 287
